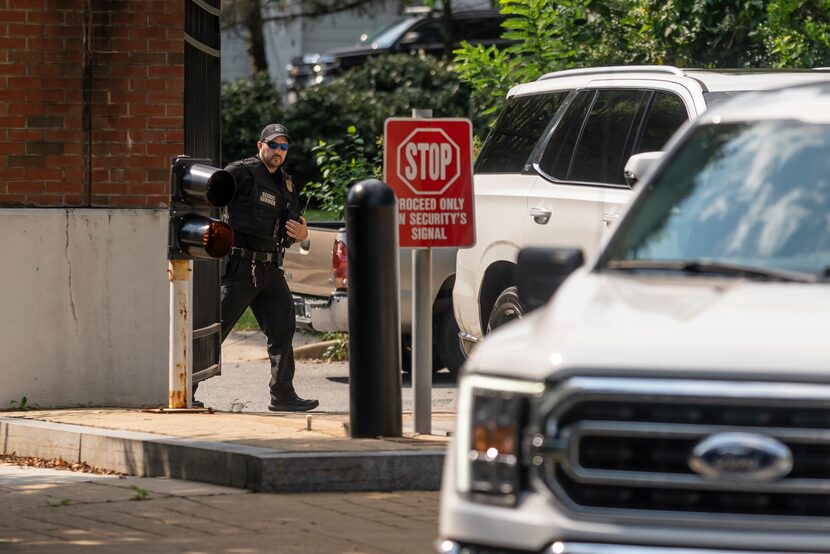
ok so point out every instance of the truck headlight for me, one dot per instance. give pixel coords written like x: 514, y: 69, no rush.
x: 488, y: 455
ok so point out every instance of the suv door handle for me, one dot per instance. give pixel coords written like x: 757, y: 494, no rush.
x: 540, y: 215
x: 609, y: 218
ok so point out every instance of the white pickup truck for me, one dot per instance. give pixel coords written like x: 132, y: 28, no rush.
x: 316, y: 271
x: 673, y: 396
x: 551, y: 171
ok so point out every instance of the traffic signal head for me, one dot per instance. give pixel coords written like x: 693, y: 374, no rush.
x: 196, y: 190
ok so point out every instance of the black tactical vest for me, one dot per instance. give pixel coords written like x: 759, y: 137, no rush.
x: 261, y: 210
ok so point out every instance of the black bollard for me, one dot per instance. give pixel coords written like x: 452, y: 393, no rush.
x: 374, y: 320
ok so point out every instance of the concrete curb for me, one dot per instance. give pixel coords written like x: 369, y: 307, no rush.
x: 223, y: 463
x: 313, y: 351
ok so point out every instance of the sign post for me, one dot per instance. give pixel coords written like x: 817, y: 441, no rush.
x: 428, y: 164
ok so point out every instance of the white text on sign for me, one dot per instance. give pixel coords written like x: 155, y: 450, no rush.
x: 427, y: 160
x: 425, y: 222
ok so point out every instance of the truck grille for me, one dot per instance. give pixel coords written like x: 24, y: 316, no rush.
x: 625, y: 445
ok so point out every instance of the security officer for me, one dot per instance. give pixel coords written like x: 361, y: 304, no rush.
x: 265, y: 217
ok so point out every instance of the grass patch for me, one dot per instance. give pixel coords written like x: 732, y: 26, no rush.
x: 320, y: 215
x: 247, y: 322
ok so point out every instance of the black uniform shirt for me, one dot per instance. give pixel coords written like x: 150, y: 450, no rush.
x: 244, y: 187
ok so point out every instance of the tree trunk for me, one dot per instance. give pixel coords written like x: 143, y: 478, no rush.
x: 449, y: 38
x: 256, y: 47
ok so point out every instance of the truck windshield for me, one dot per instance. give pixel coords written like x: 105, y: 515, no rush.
x: 386, y: 36
x: 746, y: 195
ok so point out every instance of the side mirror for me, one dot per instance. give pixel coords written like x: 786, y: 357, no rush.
x: 638, y: 165
x: 542, y: 270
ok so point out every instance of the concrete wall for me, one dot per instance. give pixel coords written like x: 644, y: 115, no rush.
x: 84, y: 307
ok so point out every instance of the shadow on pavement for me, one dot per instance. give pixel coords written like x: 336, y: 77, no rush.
x: 443, y: 379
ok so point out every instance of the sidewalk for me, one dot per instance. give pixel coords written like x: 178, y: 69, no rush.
x: 275, y: 452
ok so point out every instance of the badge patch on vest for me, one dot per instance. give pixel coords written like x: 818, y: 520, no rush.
x: 289, y: 184
x: 268, y: 198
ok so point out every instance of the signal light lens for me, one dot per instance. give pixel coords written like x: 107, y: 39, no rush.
x: 203, y: 237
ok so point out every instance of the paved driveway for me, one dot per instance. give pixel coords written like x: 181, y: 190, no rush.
x: 51, y: 511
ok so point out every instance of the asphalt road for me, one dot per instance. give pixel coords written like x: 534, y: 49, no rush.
x: 243, y: 385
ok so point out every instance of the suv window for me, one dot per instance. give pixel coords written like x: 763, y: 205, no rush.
x: 607, y: 137
x: 556, y: 159
x: 517, y: 131
x: 597, y: 134
x: 666, y: 115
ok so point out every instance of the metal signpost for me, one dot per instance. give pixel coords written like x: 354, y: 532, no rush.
x: 428, y: 163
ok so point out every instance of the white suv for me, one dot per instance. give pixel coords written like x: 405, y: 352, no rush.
x: 674, y: 395
x: 551, y: 171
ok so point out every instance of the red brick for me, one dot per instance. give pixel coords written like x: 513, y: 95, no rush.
x: 25, y: 83
x: 12, y: 43
x: 63, y: 30
x: 127, y: 175
x: 47, y: 96
x: 26, y: 57
x: 12, y: 148
x: 25, y: 186
x: 12, y: 200
x: 71, y: 200
x: 11, y: 16
x: 164, y: 122
x: 42, y: 173
x: 10, y: 173
x: 37, y: 43
x: 25, y: 135
x: 165, y: 46
x: 156, y: 189
x: 45, y: 200
x: 64, y: 187
x: 23, y: 30
x: 25, y: 109
x: 109, y: 187
x: 126, y: 149
x: 73, y: 148
x: 7, y: 121
x: 126, y: 97
x: 13, y: 69
x: 64, y: 56
x: 65, y: 161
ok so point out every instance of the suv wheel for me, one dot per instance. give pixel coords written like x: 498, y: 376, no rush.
x: 507, y: 308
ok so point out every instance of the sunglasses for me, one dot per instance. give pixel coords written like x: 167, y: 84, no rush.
x: 274, y: 145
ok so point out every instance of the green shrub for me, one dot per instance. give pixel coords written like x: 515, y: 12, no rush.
x: 363, y: 98
x: 342, y: 163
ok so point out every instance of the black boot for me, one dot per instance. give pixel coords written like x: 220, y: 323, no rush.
x: 292, y: 403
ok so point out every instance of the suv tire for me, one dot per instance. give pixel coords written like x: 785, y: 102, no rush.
x: 507, y: 308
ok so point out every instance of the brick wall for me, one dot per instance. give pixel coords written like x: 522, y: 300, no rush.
x: 90, y: 101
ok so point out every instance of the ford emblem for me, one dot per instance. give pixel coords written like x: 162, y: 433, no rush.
x: 741, y: 457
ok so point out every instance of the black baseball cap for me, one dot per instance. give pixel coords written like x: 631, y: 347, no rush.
x: 273, y: 131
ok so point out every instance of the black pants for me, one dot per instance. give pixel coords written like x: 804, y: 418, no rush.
x: 273, y: 307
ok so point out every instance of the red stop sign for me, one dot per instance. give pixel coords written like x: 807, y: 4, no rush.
x: 428, y: 163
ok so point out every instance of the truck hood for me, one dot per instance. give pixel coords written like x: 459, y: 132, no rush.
x: 683, y: 327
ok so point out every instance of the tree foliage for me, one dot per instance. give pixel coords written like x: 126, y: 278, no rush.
x: 342, y: 163
x: 247, y: 106
x: 690, y: 33
x: 382, y: 87
x: 362, y: 99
